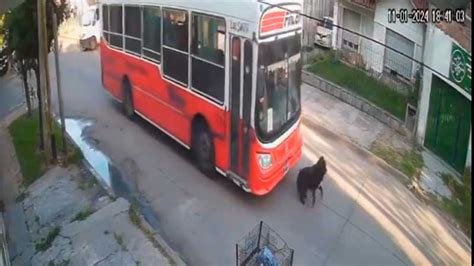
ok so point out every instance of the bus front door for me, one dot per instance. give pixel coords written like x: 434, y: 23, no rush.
x: 240, y: 104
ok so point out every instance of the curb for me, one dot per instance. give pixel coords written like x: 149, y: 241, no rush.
x: 171, y: 255
x: 356, y: 101
x: 306, y: 120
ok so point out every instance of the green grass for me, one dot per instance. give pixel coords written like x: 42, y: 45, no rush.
x: 134, y: 216
x: 408, y: 162
x: 25, y: 136
x: 82, y: 215
x: 460, y: 205
x: 45, y: 243
x: 359, y: 82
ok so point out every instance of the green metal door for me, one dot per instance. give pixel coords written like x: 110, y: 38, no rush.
x: 449, y: 124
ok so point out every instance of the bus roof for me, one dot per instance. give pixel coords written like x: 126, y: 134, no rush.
x: 240, y: 9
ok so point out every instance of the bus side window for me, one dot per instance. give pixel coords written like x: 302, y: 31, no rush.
x: 105, y: 24
x: 175, y: 45
x: 133, y: 29
x: 116, y: 30
x: 208, y: 50
x: 152, y: 33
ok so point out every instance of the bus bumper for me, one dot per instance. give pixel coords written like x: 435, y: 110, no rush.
x: 267, y: 180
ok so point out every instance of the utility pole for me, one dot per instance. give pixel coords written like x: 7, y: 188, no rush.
x: 58, y: 84
x: 44, y: 78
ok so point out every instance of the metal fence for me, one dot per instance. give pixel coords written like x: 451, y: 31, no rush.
x: 262, y: 236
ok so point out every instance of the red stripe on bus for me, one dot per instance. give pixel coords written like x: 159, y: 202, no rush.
x: 272, y: 21
x: 273, y: 14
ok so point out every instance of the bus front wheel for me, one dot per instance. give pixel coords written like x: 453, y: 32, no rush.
x: 128, y: 108
x: 203, y: 149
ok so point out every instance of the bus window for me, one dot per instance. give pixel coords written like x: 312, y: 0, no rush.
x: 105, y: 23
x: 133, y: 29
x: 152, y: 33
x: 175, y: 26
x: 116, y: 38
x: 208, y: 36
x: 208, y: 51
x: 175, y: 45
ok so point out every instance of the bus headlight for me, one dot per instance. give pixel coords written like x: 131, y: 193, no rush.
x: 265, y: 160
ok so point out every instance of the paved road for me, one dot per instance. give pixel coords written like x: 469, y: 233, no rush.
x: 366, y: 217
x: 11, y: 94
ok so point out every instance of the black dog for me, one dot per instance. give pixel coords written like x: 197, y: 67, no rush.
x: 310, y: 178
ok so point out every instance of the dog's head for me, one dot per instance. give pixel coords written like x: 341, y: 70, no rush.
x: 320, y: 164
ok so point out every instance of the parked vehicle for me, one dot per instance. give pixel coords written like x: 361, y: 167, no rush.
x: 222, y: 82
x: 89, y: 38
x: 323, y: 36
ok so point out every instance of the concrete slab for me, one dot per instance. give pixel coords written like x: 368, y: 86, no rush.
x: 18, y: 237
x: 340, y: 117
x: 55, y: 199
x: 431, y: 175
x: 107, y: 237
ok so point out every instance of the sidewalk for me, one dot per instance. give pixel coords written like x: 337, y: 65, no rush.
x: 412, y: 230
x: 66, y: 218
x: 364, y: 131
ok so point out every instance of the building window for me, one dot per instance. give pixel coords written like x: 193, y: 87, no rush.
x: 350, y: 20
x: 175, y: 45
x: 395, y: 62
x: 133, y: 29
x: 115, y: 16
x: 152, y: 33
x: 208, y: 50
x: 208, y: 38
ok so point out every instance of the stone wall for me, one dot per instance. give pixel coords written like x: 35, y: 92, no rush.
x: 356, y: 101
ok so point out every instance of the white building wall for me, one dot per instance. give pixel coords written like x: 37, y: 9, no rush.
x: 412, y: 31
x: 376, y: 63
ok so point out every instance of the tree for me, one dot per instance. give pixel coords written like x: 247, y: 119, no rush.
x: 21, y: 31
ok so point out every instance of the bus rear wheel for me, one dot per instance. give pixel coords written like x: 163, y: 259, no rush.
x: 203, y: 149
x: 128, y: 107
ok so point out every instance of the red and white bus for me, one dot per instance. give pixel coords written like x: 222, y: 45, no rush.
x: 221, y: 78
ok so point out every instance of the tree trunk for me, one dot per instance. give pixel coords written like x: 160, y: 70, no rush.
x: 24, y: 76
x: 40, y: 104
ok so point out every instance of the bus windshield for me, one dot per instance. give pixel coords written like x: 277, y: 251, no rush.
x: 278, y: 86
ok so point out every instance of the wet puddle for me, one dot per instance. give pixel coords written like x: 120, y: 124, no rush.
x: 109, y: 175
